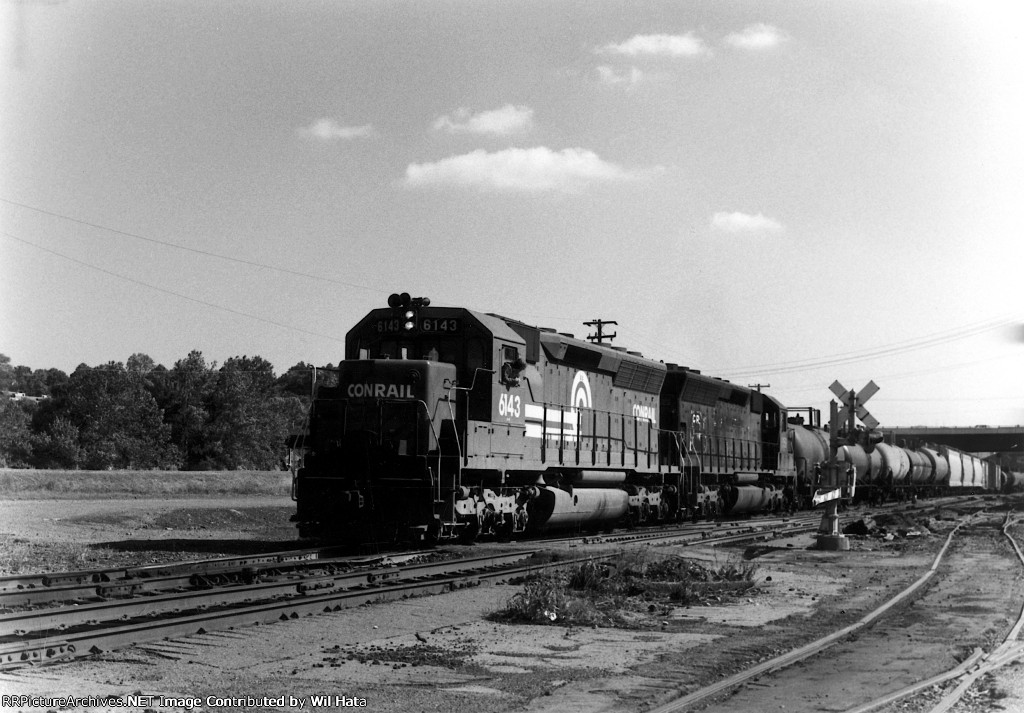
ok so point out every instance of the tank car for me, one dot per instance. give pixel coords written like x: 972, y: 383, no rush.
x: 811, y: 450
x: 1012, y: 481
x: 888, y: 471
x: 448, y: 423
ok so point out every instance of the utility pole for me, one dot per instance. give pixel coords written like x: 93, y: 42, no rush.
x: 758, y: 386
x: 600, y: 336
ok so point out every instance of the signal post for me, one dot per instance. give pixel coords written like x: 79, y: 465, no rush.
x: 839, y: 479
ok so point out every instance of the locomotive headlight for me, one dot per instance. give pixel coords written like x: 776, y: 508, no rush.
x: 410, y: 320
x: 409, y: 325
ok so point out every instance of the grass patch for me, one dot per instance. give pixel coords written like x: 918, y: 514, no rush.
x: 625, y: 591
x: 19, y: 556
x: 85, y: 484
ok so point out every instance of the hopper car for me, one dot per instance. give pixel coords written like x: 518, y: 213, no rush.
x: 448, y: 423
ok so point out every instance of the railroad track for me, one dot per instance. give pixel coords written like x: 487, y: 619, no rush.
x: 119, y: 607
x: 978, y: 664
x: 125, y: 607
x: 20, y: 591
x: 1008, y: 649
x: 63, y: 633
x: 34, y: 590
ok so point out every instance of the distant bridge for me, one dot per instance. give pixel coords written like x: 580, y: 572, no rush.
x: 979, y: 439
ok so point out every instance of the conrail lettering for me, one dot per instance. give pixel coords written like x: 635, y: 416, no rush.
x: 381, y: 391
x: 645, y: 413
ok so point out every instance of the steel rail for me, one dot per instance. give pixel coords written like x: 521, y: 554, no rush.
x: 973, y: 668
x: 21, y: 624
x: 1007, y: 651
x: 33, y: 590
x: 807, y: 650
x: 685, y: 531
x: 41, y: 651
x: 57, y: 579
x: 309, y: 600
x: 10, y: 584
x: 62, y: 648
x: 959, y: 670
x: 191, y: 575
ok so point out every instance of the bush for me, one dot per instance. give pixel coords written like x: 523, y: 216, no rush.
x: 611, y: 592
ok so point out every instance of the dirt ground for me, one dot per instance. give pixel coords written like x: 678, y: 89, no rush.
x: 442, y: 653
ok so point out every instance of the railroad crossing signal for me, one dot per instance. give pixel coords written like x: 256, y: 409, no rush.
x: 854, y: 402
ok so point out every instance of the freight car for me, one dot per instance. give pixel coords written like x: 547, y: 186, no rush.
x: 886, y: 471
x: 448, y: 423
x: 1013, y: 482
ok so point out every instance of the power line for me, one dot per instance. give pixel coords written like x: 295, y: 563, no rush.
x: 197, y: 251
x: 171, y: 292
x: 924, y: 342
x: 740, y: 373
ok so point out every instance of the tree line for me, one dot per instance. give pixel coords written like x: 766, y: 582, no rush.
x: 142, y: 415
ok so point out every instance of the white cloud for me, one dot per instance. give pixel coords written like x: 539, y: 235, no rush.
x: 744, y: 223
x: 608, y: 75
x: 688, y: 45
x: 330, y: 130
x: 533, y: 170
x: 508, y: 119
x: 756, y: 37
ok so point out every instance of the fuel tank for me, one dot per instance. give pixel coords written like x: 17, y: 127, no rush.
x: 557, y: 509
x: 748, y: 498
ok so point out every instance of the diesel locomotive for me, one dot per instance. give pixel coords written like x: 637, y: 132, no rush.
x: 448, y: 423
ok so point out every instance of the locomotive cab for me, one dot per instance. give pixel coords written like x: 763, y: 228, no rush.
x: 381, y: 436
x: 402, y: 449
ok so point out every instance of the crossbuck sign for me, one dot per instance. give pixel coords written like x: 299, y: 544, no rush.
x: 854, y: 401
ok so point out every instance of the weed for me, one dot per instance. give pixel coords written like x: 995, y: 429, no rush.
x: 612, y: 592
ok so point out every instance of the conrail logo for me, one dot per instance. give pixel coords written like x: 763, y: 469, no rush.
x: 645, y: 413
x: 380, y: 391
x: 580, y: 394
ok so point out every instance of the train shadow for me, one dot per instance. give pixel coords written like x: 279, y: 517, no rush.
x: 185, y: 545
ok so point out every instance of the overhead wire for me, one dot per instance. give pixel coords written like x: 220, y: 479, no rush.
x: 221, y: 256
x: 777, y: 368
x: 171, y: 292
x: 197, y: 251
x: 935, y: 339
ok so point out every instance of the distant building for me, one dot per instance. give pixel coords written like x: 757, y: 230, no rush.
x: 22, y: 396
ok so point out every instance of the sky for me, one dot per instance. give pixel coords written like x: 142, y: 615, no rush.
x: 785, y: 193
